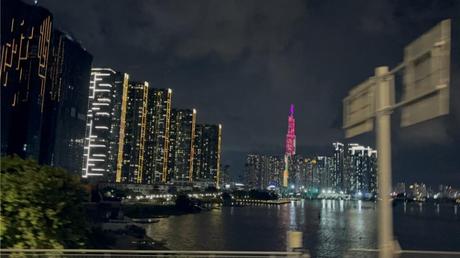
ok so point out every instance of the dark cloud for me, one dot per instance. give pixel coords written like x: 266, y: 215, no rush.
x: 243, y: 62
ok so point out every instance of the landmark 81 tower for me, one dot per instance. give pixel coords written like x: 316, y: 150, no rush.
x: 290, y: 145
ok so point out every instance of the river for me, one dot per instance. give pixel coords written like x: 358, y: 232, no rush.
x: 330, y: 227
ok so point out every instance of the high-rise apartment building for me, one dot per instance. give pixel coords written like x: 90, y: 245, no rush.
x: 252, y: 170
x: 353, y: 169
x: 181, y: 136
x: 326, y: 171
x: 106, y: 100
x: 262, y: 171
x: 361, y: 170
x: 300, y: 172
x: 338, y: 175
x: 45, y: 77
x: 135, y: 131
x: 157, y: 135
x: 66, y: 103
x: 207, y: 151
x: 25, y: 45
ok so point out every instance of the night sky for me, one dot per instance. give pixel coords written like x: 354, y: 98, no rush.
x: 242, y: 63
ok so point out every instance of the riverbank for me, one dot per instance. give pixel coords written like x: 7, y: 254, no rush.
x: 123, y: 236
x: 248, y: 202
x: 145, y: 210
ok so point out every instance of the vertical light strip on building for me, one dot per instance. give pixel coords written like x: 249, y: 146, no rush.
x: 87, y: 155
x: 43, y: 48
x: 140, y: 166
x: 121, y: 140
x: 192, y: 149
x: 219, y: 141
x: 166, y: 145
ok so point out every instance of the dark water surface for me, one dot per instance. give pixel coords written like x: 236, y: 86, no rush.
x: 330, y: 227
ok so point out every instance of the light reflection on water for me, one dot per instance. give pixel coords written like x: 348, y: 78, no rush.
x: 330, y: 227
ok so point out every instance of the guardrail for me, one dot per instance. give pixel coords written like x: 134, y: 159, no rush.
x: 141, y: 253
x: 352, y: 253
x: 374, y: 253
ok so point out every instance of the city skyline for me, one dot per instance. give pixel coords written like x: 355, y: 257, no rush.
x: 349, y: 169
x: 284, y: 63
x: 289, y: 70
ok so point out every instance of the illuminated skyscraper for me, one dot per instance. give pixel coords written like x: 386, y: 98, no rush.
x: 181, y: 134
x: 252, y: 170
x: 303, y: 172
x: 104, y: 127
x: 132, y: 167
x: 290, y: 145
x: 63, y: 132
x: 262, y: 171
x: 207, y: 151
x: 353, y: 170
x: 157, y: 135
x: 361, y: 170
x: 338, y: 173
x: 326, y: 169
x: 25, y: 44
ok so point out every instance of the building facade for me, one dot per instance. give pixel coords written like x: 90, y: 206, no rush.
x: 361, y: 171
x: 63, y: 130
x: 252, y: 169
x: 181, y: 136
x: 338, y: 175
x: 25, y: 45
x: 135, y: 128
x: 326, y: 170
x: 207, y: 152
x: 105, y: 102
x: 263, y: 171
x: 157, y: 135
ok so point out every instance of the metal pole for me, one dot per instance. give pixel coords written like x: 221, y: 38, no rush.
x: 385, y: 214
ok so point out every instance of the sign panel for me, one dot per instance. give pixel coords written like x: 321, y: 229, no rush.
x: 427, y: 75
x: 359, y: 109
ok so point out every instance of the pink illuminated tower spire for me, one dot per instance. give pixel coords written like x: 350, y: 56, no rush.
x: 290, y: 145
x: 290, y: 136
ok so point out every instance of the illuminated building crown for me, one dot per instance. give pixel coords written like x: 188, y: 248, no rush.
x: 290, y: 136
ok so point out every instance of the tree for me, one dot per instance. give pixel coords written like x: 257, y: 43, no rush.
x: 41, y: 206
